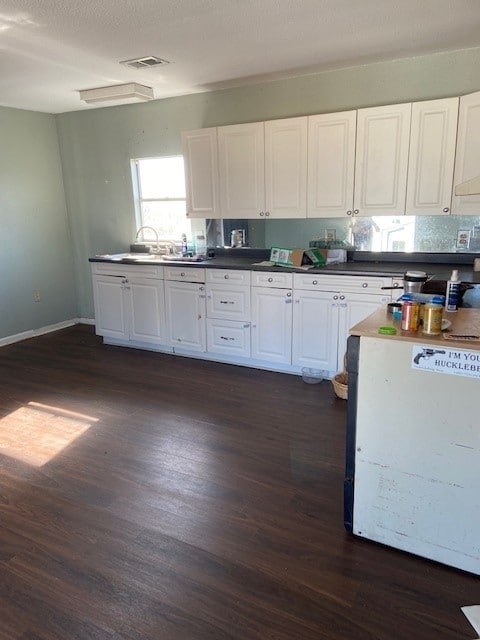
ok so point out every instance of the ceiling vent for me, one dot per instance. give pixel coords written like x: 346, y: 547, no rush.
x: 121, y: 93
x: 142, y: 63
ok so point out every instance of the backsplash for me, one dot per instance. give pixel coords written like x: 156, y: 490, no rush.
x: 446, y: 234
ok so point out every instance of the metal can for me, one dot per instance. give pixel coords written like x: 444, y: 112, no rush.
x: 410, y: 316
x: 432, y: 319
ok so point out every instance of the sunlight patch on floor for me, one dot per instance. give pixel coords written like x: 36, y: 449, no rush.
x: 36, y: 433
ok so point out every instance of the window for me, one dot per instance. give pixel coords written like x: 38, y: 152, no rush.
x: 159, y: 189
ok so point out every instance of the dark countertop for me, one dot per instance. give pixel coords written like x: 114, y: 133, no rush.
x: 357, y: 267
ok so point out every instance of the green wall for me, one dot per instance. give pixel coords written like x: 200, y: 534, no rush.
x: 35, y: 251
x: 97, y: 145
x: 40, y: 251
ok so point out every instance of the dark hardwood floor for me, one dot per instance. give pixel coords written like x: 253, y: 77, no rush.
x: 147, y: 496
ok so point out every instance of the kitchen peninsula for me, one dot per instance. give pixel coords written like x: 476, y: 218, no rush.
x: 413, y: 439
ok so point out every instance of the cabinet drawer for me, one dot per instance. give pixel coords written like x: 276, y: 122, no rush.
x: 367, y: 284
x: 225, y: 301
x: 272, y: 279
x: 232, y: 338
x: 141, y: 270
x: 233, y: 276
x: 185, y: 274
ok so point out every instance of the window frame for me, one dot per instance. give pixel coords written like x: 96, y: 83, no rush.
x: 137, y: 191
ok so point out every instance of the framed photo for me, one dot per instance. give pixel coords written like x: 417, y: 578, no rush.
x: 463, y: 239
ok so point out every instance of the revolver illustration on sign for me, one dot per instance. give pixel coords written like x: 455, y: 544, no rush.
x: 427, y: 353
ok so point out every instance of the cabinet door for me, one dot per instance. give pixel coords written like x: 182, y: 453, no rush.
x: 185, y: 311
x: 229, y: 338
x: 146, y: 310
x: 383, y: 135
x: 286, y: 168
x: 467, y: 160
x: 272, y: 324
x: 201, y: 172
x: 331, y: 164
x: 110, y: 313
x: 432, y: 156
x: 353, y: 308
x: 241, y: 151
x: 315, y: 330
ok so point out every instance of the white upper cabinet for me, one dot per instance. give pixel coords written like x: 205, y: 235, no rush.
x: 286, y: 168
x: 381, y: 162
x: 201, y: 172
x: 331, y: 164
x: 432, y: 156
x: 241, y: 150
x: 263, y: 169
x: 467, y: 161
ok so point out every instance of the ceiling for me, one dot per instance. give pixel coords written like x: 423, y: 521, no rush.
x: 51, y: 49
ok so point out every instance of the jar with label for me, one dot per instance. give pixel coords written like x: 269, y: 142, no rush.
x: 432, y: 319
x: 410, y: 316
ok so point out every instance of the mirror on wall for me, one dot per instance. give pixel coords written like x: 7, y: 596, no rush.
x: 435, y: 234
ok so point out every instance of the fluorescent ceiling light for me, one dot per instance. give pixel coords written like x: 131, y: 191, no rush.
x: 131, y: 92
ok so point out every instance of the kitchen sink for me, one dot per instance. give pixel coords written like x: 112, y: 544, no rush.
x: 150, y: 257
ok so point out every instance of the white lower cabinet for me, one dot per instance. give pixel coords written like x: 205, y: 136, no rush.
x: 185, y: 310
x: 228, y: 312
x: 315, y: 330
x: 272, y: 324
x: 288, y: 320
x: 110, y: 318
x: 324, y: 310
x: 146, y: 310
x: 353, y: 308
x: 129, y: 307
x: 228, y: 337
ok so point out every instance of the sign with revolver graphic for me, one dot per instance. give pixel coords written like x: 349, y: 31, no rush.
x: 456, y: 362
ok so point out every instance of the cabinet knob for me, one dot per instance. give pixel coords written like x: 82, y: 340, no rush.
x: 446, y: 209
x: 356, y: 212
x: 289, y: 294
x: 203, y: 289
x: 349, y: 212
x: 314, y: 281
x: 226, y: 276
x: 183, y: 274
x: 342, y: 297
x: 267, y: 213
x: 335, y: 297
x: 270, y: 280
x: 365, y: 285
x: 262, y: 213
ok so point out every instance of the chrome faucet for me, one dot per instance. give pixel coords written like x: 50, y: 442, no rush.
x: 154, y: 231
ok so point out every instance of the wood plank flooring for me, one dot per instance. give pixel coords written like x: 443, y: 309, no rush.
x: 152, y: 497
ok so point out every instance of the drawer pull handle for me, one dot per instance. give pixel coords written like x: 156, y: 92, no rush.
x: 226, y: 302
x: 226, y: 338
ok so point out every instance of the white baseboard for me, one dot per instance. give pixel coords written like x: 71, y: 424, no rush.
x: 32, y: 333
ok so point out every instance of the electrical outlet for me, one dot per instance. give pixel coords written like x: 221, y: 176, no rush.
x: 36, y: 295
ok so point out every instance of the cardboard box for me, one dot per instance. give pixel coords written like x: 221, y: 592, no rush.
x: 300, y: 258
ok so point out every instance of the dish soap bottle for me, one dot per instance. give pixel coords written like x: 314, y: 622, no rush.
x: 452, y: 297
x: 184, y: 245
